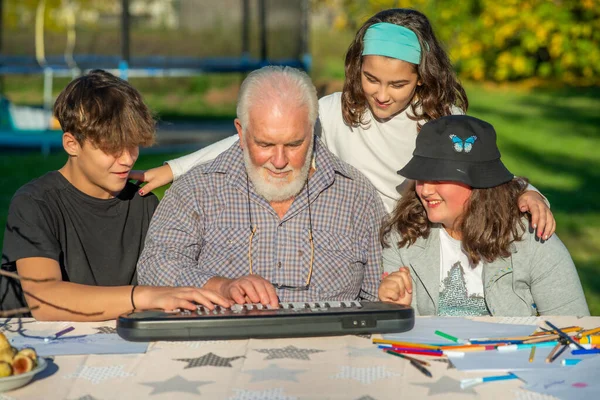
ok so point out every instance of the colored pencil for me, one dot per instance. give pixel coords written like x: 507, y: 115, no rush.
x: 424, y: 351
x: 468, y: 349
x: 554, y: 350
x: 559, y: 352
x: 532, y: 354
x: 421, y: 368
x: 430, y: 353
x: 491, y: 341
x: 541, y: 339
x: 418, y: 364
x: 590, y: 332
x: 392, y: 352
x: 568, y: 329
x: 405, y: 344
x: 564, y: 335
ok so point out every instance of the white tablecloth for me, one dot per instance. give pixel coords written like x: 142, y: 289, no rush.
x: 344, y: 367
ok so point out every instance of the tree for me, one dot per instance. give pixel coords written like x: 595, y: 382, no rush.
x: 557, y: 40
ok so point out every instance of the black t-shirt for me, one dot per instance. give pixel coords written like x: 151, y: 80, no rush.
x: 95, y: 241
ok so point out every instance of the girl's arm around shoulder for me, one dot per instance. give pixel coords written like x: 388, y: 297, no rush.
x: 174, y: 169
x: 555, y: 284
x: 181, y: 165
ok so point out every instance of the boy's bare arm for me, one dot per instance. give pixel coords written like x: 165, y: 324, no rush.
x: 76, y: 302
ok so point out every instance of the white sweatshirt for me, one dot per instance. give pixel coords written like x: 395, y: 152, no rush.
x: 378, y: 150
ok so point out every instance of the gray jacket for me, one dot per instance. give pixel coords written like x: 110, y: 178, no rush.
x: 536, y: 278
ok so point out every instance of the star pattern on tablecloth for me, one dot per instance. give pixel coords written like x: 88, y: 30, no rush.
x: 366, y: 397
x: 366, y: 352
x: 274, y: 373
x: 289, y: 352
x: 445, y: 385
x: 175, y: 384
x: 208, y: 360
x: 366, y: 375
x: 269, y: 394
x: 87, y: 397
x: 99, y: 374
x: 105, y: 329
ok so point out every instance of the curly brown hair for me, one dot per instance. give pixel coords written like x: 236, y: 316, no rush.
x: 440, y: 89
x: 491, y: 220
x: 105, y: 110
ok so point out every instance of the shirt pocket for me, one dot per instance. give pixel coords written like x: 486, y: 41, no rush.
x: 338, y: 268
x: 225, y: 251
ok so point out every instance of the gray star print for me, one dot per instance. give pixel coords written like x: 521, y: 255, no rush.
x: 106, y: 329
x: 275, y: 373
x: 176, y: 384
x: 289, y: 352
x: 209, y: 359
x: 445, y: 385
x: 366, y: 352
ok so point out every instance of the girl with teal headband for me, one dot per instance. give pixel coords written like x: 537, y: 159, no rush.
x: 397, y: 78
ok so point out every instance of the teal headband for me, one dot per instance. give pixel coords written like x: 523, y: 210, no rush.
x: 391, y: 40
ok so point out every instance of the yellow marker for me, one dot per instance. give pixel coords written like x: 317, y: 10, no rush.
x: 532, y: 354
x: 590, y: 340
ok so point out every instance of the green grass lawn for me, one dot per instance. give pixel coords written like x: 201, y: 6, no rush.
x: 549, y: 136
x: 552, y: 137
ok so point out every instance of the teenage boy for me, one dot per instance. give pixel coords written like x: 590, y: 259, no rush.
x: 81, y: 229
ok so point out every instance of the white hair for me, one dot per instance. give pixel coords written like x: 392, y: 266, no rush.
x: 277, y: 85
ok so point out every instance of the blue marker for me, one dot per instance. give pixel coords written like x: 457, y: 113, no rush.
x: 467, y: 383
x: 585, y: 351
x: 571, y: 361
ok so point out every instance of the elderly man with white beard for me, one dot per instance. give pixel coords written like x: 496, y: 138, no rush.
x: 276, y: 217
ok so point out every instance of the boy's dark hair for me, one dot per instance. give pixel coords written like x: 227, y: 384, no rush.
x: 106, y: 111
x: 491, y: 221
x: 440, y: 89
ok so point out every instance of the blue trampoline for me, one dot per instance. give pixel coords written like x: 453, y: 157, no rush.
x: 252, y: 34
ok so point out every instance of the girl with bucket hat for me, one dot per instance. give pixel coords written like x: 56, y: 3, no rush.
x: 398, y: 76
x: 463, y: 246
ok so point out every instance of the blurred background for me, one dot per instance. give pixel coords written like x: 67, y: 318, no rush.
x: 531, y: 68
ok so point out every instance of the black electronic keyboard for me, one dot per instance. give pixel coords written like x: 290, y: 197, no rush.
x: 243, y: 321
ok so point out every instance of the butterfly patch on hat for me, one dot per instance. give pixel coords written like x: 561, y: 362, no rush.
x: 461, y: 145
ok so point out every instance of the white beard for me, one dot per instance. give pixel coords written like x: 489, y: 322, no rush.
x: 277, y: 189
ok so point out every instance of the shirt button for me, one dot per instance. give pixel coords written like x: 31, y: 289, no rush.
x: 279, y: 264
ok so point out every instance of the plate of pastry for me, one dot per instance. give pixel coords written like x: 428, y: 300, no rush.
x: 18, y: 367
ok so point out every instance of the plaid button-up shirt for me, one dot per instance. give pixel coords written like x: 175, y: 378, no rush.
x: 201, y: 229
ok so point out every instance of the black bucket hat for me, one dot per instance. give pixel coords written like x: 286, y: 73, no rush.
x: 457, y: 148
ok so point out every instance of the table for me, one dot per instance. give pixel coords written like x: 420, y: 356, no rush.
x: 343, y: 367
